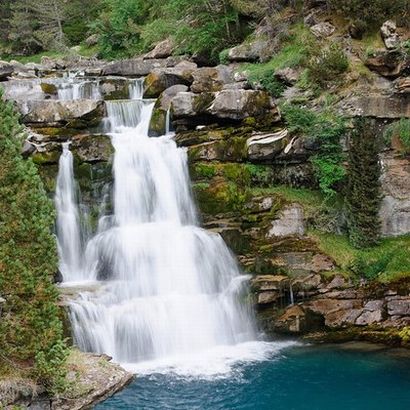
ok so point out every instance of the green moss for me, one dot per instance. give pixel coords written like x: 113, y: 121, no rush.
x: 48, y: 157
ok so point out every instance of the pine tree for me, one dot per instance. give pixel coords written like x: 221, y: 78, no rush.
x: 363, y: 194
x: 31, y: 332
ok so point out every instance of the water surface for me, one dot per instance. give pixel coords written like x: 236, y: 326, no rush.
x: 296, y: 378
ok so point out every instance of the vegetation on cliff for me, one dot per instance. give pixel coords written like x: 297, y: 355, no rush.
x: 31, y: 331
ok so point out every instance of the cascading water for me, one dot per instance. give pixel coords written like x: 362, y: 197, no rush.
x: 68, y: 220
x: 78, y: 90
x: 169, y: 290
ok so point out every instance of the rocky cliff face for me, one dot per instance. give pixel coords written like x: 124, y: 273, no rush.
x: 249, y: 171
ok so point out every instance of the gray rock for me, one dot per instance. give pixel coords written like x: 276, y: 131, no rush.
x: 400, y: 306
x: 6, y: 70
x: 389, y: 34
x: 92, y: 148
x: 211, y: 79
x: 288, y: 76
x: 162, y: 50
x: 264, y: 146
x: 241, y: 104
x: 323, y: 30
x: 133, y: 67
x: 188, y: 104
x: 258, y: 50
x: 291, y: 221
x: 79, y: 113
x: 395, y: 207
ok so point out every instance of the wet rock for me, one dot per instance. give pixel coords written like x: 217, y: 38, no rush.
x: 323, y: 30
x: 162, y: 50
x: 241, y: 104
x: 211, y: 79
x: 49, y: 88
x: 188, y: 104
x: 291, y: 221
x: 114, y: 88
x: 92, y: 148
x: 389, y: 35
x: 388, y: 63
x: 265, y: 146
x: 74, y: 114
x: 269, y: 288
x: 6, y: 70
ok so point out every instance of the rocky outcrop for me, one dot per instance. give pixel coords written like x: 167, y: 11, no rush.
x: 92, y: 378
x: 291, y: 221
x: 211, y: 79
x: 389, y: 35
x: 72, y: 114
x: 395, y: 208
x: 265, y: 146
x: 259, y: 49
x: 163, y: 49
x: 388, y: 63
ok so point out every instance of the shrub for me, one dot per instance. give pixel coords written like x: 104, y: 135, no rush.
x: 363, y: 193
x: 401, y: 131
x: 31, y: 332
x: 370, y: 269
x: 327, y: 64
x: 326, y: 130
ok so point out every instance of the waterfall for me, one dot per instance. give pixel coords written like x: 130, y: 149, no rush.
x: 169, y: 291
x: 168, y: 122
x: 78, y: 90
x: 68, y: 221
x: 136, y: 89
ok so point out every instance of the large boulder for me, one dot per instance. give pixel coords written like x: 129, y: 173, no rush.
x: 211, y: 79
x: 159, y: 80
x: 72, y: 114
x: 92, y: 148
x: 6, y: 70
x: 389, y: 35
x: 188, y: 104
x: 241, y: 104
x: 114, y: 88
x: 163, y: 49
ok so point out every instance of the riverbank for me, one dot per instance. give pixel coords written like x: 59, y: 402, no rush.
x: 90, y: 379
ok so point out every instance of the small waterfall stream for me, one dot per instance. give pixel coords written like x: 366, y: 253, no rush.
x: 169, y: 294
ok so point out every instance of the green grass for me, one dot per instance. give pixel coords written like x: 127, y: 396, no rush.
x: 392, y: 255
x: 84, y: 51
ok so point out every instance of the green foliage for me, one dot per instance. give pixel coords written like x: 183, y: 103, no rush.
x: 405, y: 334
x: 363, y: 193
x: 388, y: 261
x: 326, y: 130
x: 327, y: 64
x: 372, y: 13
x: 31, y: 331
x: 400, y: 130
x: 119, y: 27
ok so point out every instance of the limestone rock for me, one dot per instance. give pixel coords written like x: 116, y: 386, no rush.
x: 188, y: 104
x: 159, y: 80
x: 323, y: 30
x: 257, y: 50
x: 372, y: 313
x: 395, y: 207
x: 211, y: 79
x: 241, y: 104
x: 162, y: 50
x: 265, y: 146
x: 389, y: 34
x: 403, y: 85
x: 134, y: 67
x: 290, y: 222
x: 6, y: 70
x: 75, y: 114
x: 399, y: 306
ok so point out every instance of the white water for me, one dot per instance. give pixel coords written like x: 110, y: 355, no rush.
x: 68, y: 221
x: 78, y: 89
x: 170, y: 291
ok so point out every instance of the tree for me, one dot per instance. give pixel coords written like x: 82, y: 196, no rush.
x: 31, y: 332
x: 363, y: 194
